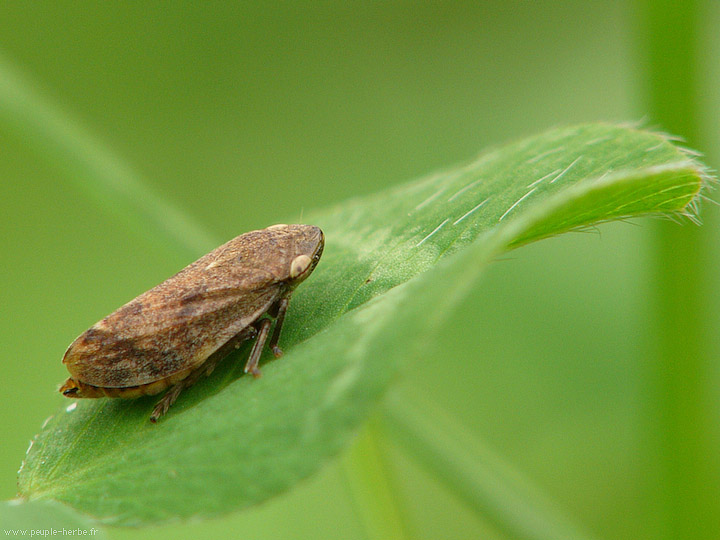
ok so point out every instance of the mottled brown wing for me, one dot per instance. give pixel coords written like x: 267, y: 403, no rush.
x: 174, y: 326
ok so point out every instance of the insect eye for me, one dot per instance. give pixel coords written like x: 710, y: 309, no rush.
x: 299, y: 265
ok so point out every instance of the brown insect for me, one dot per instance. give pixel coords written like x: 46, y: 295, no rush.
x: 179, y: 330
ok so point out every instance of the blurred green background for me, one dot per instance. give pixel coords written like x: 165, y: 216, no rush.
x: 247, y: 115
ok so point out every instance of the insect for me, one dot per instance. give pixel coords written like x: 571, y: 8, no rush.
x: 173, y: 334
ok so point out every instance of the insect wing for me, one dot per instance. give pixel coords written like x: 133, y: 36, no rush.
x: 155, y: 335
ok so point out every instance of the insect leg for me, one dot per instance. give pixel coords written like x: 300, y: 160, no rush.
x: 282, y: 306
x: 234, y: 343
x: 252, y: 363
x: 171, y: 395
x: 167, y: 400
x: 206, y: 368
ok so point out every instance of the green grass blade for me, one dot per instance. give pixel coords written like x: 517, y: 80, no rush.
x: 476, y: 474
x: 682, y: 420
x: 94, y: 169
x: 368, y: 481
x: 395, y: 264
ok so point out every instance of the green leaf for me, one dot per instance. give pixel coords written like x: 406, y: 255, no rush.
x: 395, y: 264
x: 39, y: 518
